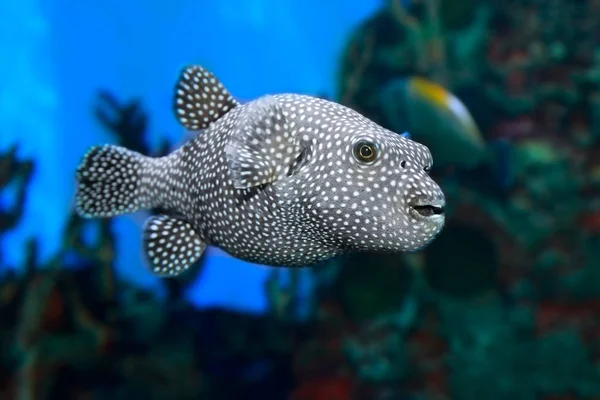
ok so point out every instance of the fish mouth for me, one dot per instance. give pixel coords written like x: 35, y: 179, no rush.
x: 430, y: 209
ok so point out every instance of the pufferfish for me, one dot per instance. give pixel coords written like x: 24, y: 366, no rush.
x: 283, y: 180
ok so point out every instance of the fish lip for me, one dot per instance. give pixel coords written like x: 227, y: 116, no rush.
x: 441, y: 203
x: 430, y: 209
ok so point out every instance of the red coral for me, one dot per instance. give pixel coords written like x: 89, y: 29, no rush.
x: 581, y: 316
x: 54, y: 314
x: 590, y: 222
x: 333, y: 388
x: 520, y: 127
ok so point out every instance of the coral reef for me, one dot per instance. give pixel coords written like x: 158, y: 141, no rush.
x: 13, y: 172
x: 504, y: 304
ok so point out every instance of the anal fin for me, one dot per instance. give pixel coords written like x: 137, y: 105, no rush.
x: 171, y: 245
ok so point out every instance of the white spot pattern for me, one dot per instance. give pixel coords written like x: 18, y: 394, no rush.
x: 171, y: 245
x: 108, y: 179
x: 200, y: 99
x: 261, y: 148
x: 313, y: 201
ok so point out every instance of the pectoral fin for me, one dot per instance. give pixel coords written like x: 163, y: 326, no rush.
x: 262, y: 149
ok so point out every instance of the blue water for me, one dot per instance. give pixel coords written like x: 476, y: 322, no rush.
x: 56, y: 54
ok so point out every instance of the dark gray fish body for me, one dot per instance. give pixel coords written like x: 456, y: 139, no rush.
x: 284, y: 180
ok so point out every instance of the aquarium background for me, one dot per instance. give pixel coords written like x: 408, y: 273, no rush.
x: 504, y: 304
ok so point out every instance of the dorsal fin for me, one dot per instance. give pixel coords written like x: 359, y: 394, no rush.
x: 200, y: 99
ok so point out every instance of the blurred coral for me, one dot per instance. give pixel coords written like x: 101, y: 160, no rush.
x: 13, y: 172
x: 504, y: 304
x: 512, y: 279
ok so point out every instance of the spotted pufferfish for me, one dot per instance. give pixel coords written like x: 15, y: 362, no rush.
x: 283, y: 180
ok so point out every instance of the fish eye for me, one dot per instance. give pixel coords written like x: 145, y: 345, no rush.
x: 427, y: 168
x: 366, y: 152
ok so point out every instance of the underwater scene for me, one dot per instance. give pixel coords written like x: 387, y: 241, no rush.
x: 300, y: 200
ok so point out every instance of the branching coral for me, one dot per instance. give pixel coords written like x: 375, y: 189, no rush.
x: 17, y: 172
x: 53, y: 302
x: 64, y: 312
x: 127, y: 122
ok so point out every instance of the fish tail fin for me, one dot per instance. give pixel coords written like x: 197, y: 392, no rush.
x: 110, y: 182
